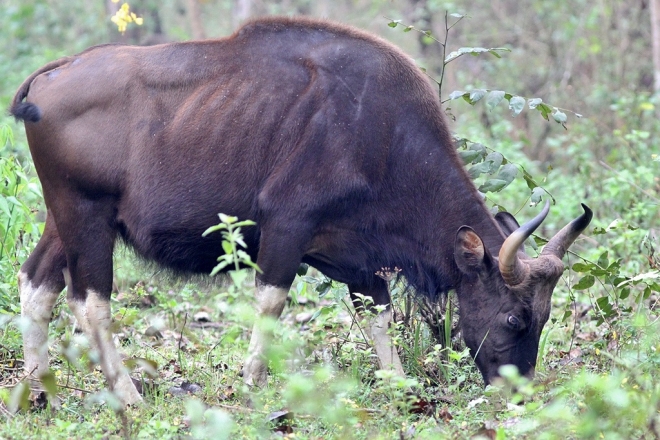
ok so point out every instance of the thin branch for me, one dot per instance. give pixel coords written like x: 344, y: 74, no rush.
x: 185, y: 319
x: 69, y: 387
x: 246, y: 410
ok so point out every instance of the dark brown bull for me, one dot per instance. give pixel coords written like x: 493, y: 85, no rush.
x: 330, y: 138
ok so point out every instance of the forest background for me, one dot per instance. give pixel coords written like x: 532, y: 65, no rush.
x: 592, y: 65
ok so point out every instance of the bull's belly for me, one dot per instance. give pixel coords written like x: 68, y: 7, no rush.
x: 176, y: 242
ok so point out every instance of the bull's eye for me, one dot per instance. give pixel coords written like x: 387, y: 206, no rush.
x: 513, y: 322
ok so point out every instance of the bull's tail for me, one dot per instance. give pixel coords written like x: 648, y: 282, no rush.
x: 27, y: 111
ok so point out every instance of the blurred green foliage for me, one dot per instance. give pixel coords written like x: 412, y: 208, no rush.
x: 586, y: 57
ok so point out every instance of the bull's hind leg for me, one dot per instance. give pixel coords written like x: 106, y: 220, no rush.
x: 40, y: 282
x: 378, y: 325
x: 98, y: 313
x: 88, y: 246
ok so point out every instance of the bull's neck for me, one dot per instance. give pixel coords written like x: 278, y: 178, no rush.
x: 449, y: 200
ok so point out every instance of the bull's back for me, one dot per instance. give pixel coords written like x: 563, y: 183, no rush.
x: 282, y: 115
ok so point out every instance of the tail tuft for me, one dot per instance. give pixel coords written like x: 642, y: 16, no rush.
x: 26, y: 111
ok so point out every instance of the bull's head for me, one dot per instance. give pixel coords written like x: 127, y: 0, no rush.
x: 505, y: 301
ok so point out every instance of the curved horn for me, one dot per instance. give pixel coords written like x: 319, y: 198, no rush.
x: 514, y: 270
x: 559, y: 244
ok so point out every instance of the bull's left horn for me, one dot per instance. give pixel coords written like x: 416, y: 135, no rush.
x: 513, y: 269
x: 559, y: 244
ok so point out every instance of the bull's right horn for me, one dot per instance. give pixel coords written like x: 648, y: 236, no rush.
x: 559, y: 244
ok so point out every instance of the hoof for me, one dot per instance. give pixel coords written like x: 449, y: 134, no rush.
x: 127, y: 392
x: 255, y: 373
x: 39, y: 399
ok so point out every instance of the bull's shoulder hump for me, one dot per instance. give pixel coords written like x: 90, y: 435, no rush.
x: 305, y: 31
x: 323, y: 41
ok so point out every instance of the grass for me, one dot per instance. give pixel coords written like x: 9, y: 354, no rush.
x: 599, y: 357
x: 187, y: 344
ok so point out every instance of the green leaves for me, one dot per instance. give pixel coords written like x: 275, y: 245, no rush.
x: 617, y: 224
x: 516, y: 103
x: 496, y: 165
x: 494, y: 98
x: 608, y: 273
x: 20, y: 196
x: 6, y: 136
x: 49, y: 383
x: 458, y: 94
x: 585, y: 282
x: 232, y: 241
x: 490, y: 164
x: 559, y: 117
x: 642, y: 277
x: 508, y: 172
x: 477, y: 94
x: 407, y: 28
x: 537, y: 194
x: 19, y: 398
x: 475, y: 51
x: 493, y: 185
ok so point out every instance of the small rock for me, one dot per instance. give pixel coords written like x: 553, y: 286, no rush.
x: 303, y: 317
x: 185, y: 388
x: 152, y: 331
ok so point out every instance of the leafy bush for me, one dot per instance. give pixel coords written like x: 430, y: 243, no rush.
x: 20, y: 193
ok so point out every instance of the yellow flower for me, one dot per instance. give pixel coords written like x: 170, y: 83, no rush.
x: 124, y: 16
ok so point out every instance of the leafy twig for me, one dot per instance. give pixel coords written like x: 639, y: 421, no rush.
x: 516, y: 103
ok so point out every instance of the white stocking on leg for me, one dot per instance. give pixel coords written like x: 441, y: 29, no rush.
x: 99, y: 319
x: 37, y: 304
x: 270, y: 303
x: 388, y: 358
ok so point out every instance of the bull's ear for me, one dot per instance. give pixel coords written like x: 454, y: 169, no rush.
x: 507, y: 222
x: 469, y: 250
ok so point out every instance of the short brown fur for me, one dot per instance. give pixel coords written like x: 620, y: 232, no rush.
x: 331, y: 139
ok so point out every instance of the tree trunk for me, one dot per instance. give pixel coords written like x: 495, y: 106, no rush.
x: 195, y: 15
x: 655, y: 29
x: 242, y: 11
x: 110, y: 10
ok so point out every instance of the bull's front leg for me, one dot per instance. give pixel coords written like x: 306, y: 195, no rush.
x: 270, y: 303
x: 377, y: 329
x: 379, y: 323
x: 278, y: 258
